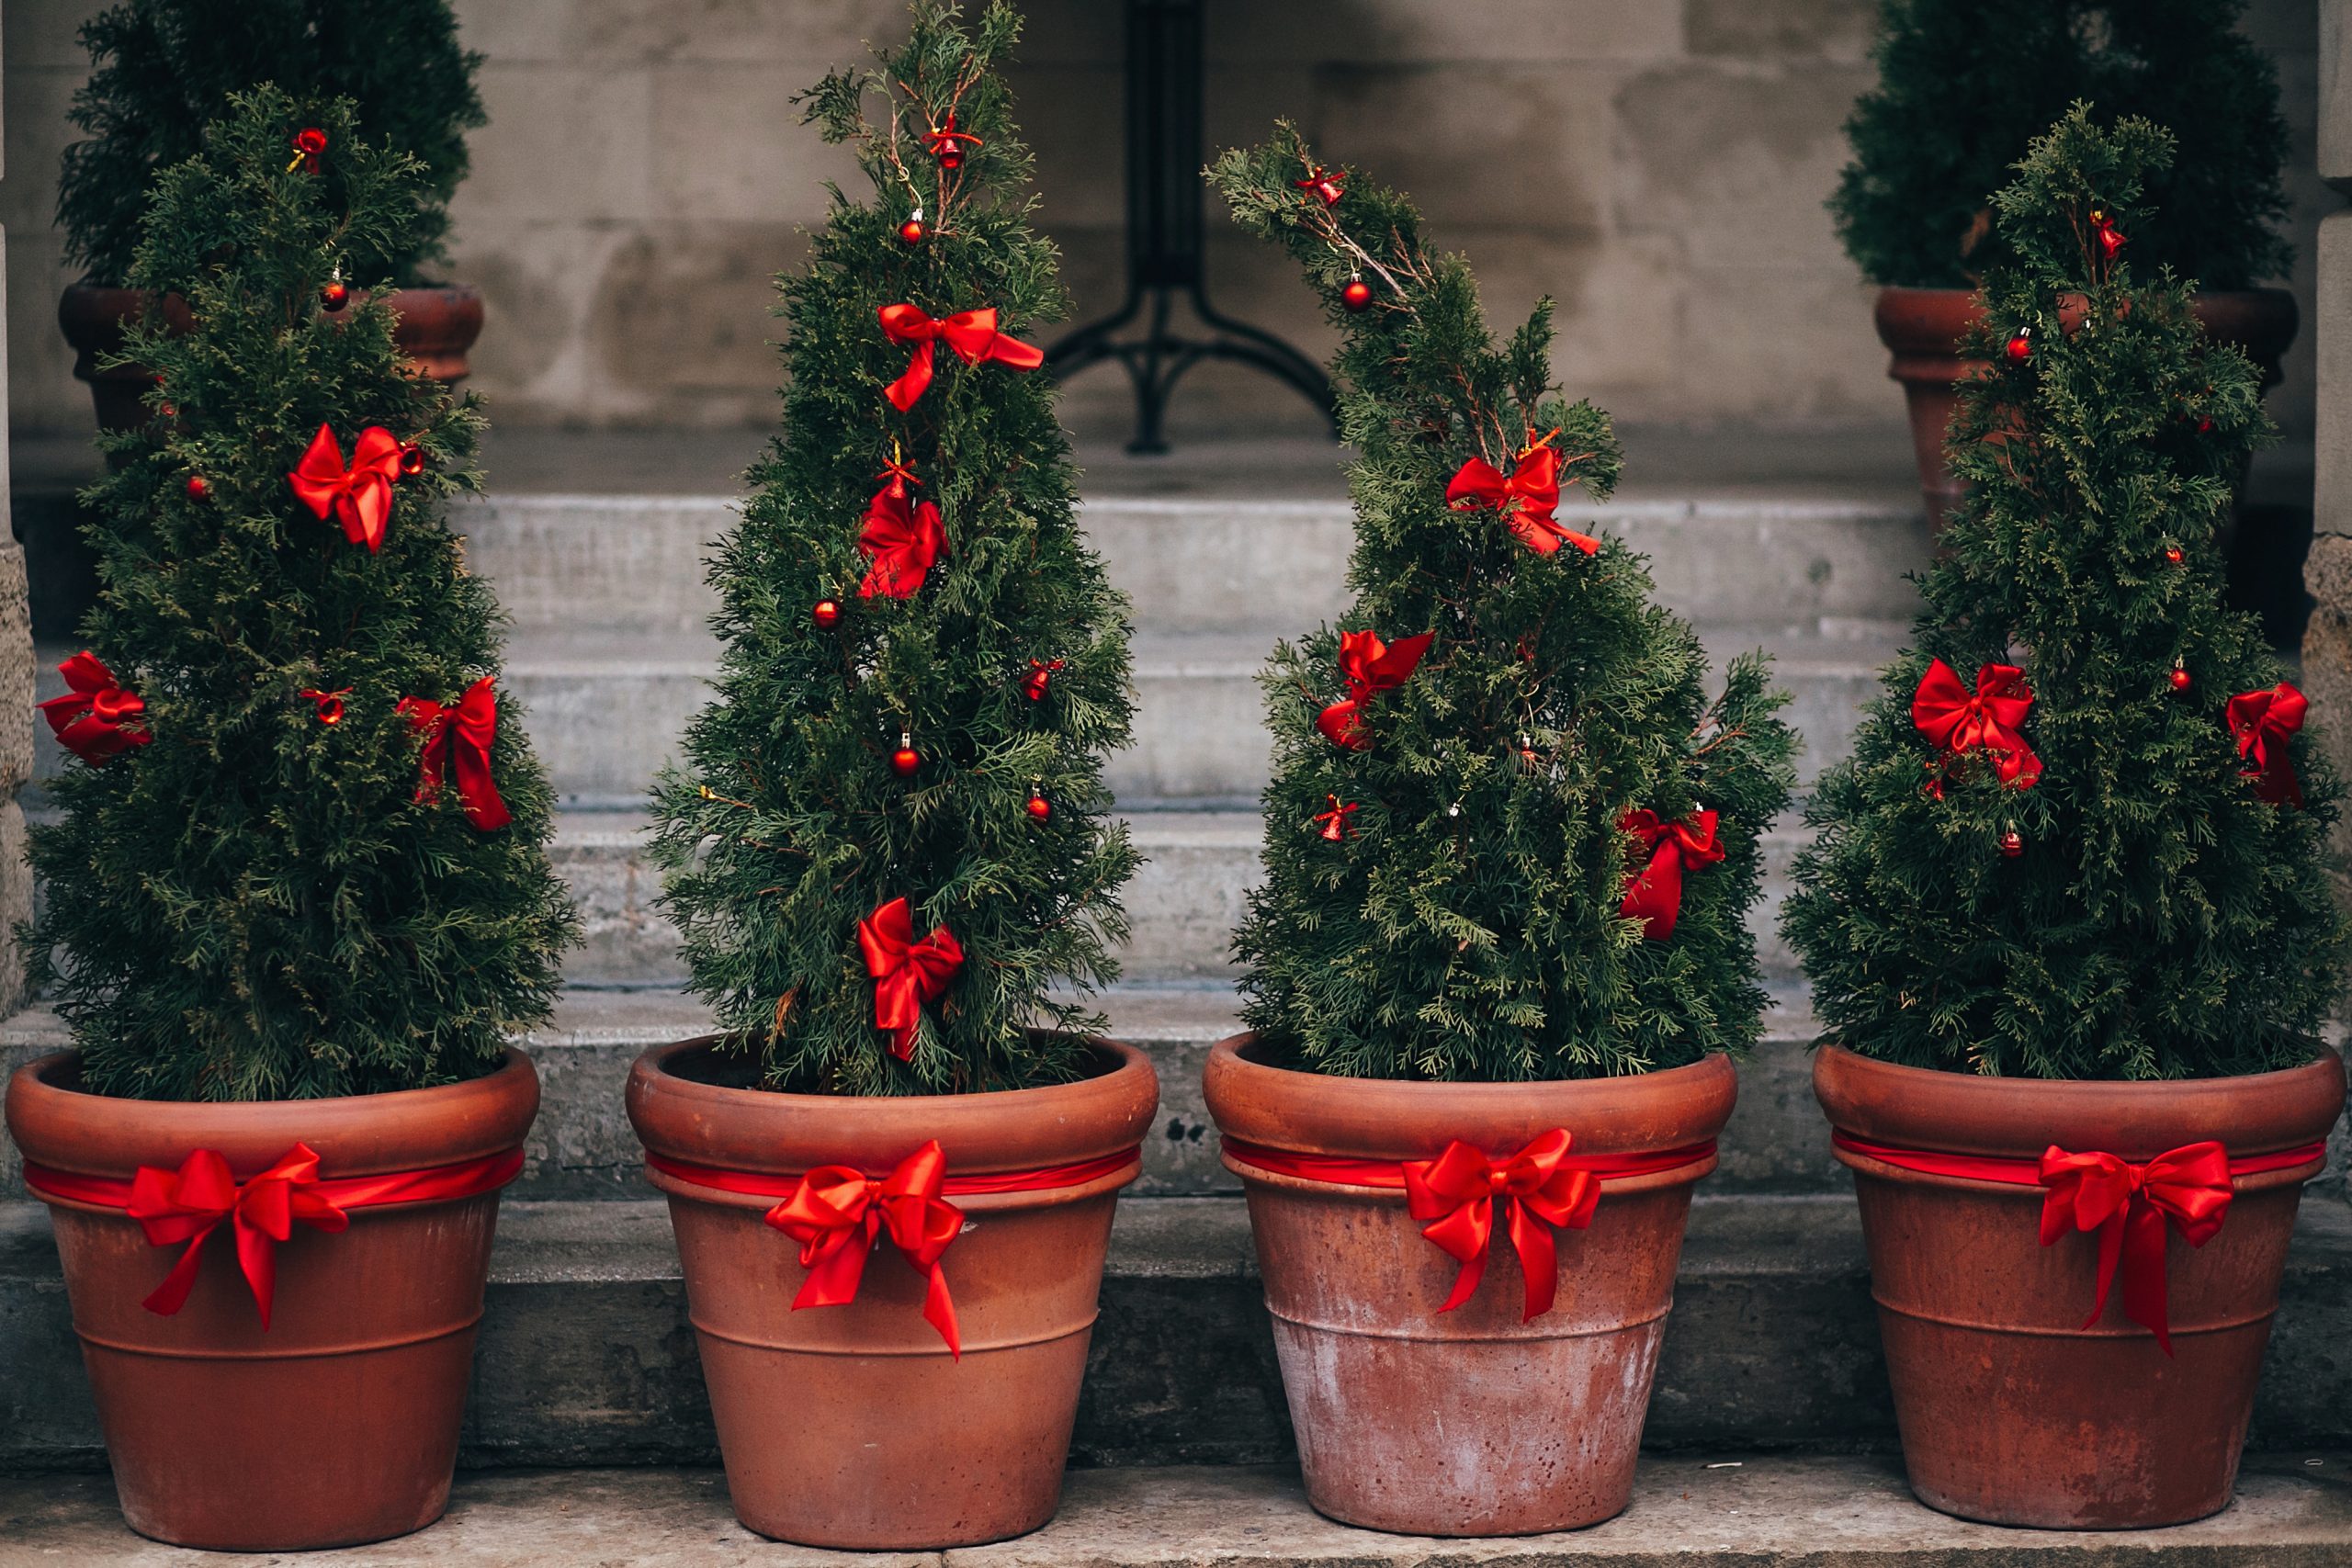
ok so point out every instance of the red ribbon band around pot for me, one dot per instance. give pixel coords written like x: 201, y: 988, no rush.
x: 1462, y: 1193
x: 188, y: 1204
x: 837, y: 1213
x: 2127, y: 1205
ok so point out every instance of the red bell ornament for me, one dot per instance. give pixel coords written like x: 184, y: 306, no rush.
x: 2012, y: 843
x: 412, y: 459
x: 2172, y: 555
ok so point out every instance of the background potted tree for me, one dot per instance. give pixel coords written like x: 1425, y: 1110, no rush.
x: 1965, y: 84
x: 1498, y: 961
x: 295, y: 895
x: 2065, y: 917
x: 889, y: 849
x: 161, y: 70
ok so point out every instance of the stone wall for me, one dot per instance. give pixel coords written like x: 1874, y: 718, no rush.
x: 1658, y: 168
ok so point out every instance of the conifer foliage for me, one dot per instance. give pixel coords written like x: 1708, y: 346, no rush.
x: 1509, y: 837
x: 888, y: 847
x: 302, y: 851
x: 2079, y: 836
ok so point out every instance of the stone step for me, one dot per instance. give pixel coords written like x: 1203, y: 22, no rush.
x: 586, y: 1356
x: 582, y: 1147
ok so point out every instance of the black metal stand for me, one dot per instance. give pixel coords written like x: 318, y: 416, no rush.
x: 1164, y: 243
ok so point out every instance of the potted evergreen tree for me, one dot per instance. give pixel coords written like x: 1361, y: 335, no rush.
x: 1499, y: 963
x: 1963, y: 84
x: 297, y: 897
x: 2065, y: 916
x: 161, y: 71
x: 890, y: 853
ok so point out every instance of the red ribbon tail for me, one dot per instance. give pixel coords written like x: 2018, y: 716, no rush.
x: 258, y: 1256
x: 167, y: 1298
x: 2142, y: 1240
x: 912, y: 382
x: 2110, y: 1252
x: 939, y: 1310
x: 1539, y: 1259
x: 1467, y: 1233
x: 839, y: 1267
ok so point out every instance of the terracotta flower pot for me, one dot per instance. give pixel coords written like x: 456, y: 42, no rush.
x: 852, y: 1426
x: 339, y: 1423
x: 1470, y: 1422
x: 438, y: 325
x: 1922, y: 328
x: 2011, y: 1410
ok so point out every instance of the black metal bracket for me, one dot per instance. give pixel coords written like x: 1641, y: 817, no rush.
x: 1165, y: 251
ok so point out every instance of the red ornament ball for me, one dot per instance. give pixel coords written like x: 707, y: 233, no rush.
x: 310, y: 141
x: 2180, y: 679
x: 826, y: 612
x: 1356, y: 295
x: 198, y: 486
x: 2012, y: 844
x: 411, y: 459
x: 912, y: 232
x: 1040, y: 808
x: 2020, y: 348
x: 906, y: 759
x: 334, y: 294
x: 169, y: 411
x: 2172, y: 555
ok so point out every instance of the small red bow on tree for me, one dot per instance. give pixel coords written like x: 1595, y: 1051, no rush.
x: 1526, y: 498
x: 1041, y: 670
x: 1953, y: 719
x: 1335, y: 825
x: 971, y: 333
x: 1459, y: 1193
x: 96, y: 718
x: 1324, y: 182
x: 2264, y: 722
x: 837, y: 1214
x: 188, y: 1205
x: 903, y: 540
x: 1654, y: 894
x: 905, y: 973
x: 359, y: 497
x: 457, y: 741
x: 307, y: 143
x: 947, y: 144
x: 1369, y: 666
x: 2129, y: 1206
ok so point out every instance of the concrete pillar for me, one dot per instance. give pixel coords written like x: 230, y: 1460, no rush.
x: 2327, y: 641
x: 16, y: 705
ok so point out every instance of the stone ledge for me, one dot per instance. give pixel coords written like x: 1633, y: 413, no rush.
x: 2292, y: 1511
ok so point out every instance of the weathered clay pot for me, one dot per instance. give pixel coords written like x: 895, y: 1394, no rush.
x: 1470, y: 1423
x: 2011, y: 1411
x: 851, y: 1426
x: 337, y: 1424
x: 438, y: 325
x: 1922, y: 328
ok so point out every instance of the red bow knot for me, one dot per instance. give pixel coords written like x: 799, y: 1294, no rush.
x: 359, y: 497
x: 1654, y: 894
x: 2263, y: 723
x: 903, y: 540
x: 457, y: 739
x: 1369, y: 666
x: 971, y: 333
x: 2129, y: 1206
x: 1525, y: 499
x: 188, y: 1205
x: 96, y: 718
x: 1041, y: 670
x: 1460, y: 1193
x: 1957, y: 720
x: 905, y: 973
x: 837, y: 1214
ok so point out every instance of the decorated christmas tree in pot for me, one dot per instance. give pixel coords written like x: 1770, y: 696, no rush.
x: 1500, y: 955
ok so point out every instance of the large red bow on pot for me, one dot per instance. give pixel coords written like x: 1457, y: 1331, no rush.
x: 1525, y: 499
x: 2263, y: 723
x: 188, y: 1205
x: 837, y: 1214
x: 971, y: 333
x: 96, y: 718
x: 1957, y: 720
x: 905, y: 973
x: 2129, y: 1206
x: 902, y: 540
x: 1369, y: 666
x: 1654, y: 894
x: 359, y: 497
x: 457, y: 741
x: 1460, y: 1193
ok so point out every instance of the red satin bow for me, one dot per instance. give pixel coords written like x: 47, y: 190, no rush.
x: 1041, y: 670
x: 905, y: 973
x: 359, y: 497
x: 188, y: 1205
x: 2129, y: 1206
x: 1654, y: 894
x: 96, y: 718
x: 1460, y: 1192
x: 837, y: 1214
x: 2263, y: 723
x: 1369, y: 666
x: 971, y: 333
x: 457, y: 739
x: 1526, y: 498
x: 902, y: 540
x: 1953, y: 719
